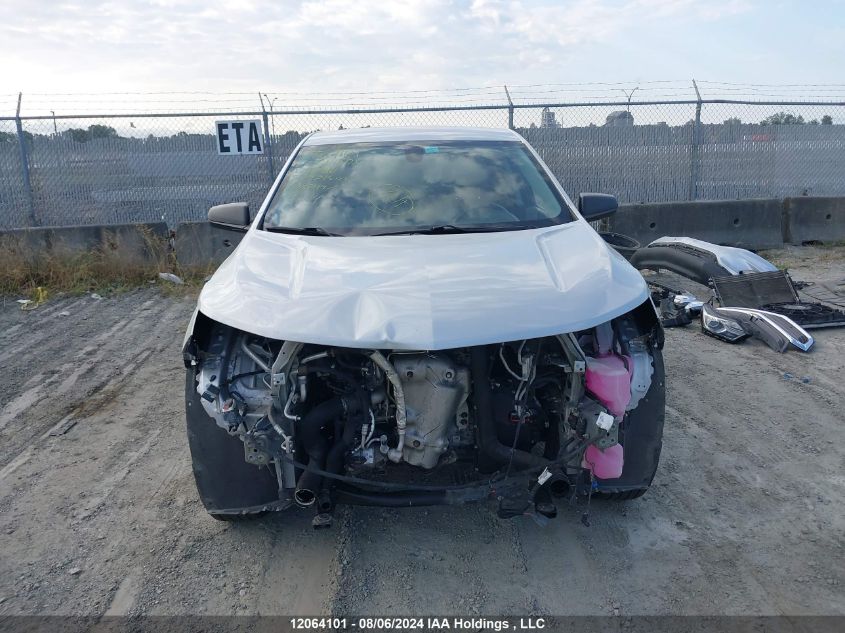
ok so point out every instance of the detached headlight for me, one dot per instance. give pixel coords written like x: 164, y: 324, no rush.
x: 720, y: 326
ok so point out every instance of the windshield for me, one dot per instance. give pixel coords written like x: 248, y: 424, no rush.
x: 379, y: 188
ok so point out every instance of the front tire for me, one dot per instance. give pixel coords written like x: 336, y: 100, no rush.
x: 641, y: 437
x: 229, y: 488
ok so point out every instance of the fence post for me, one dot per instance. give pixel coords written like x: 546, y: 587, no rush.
x: 268, y: 140
x: 27, y: 184
x: 510, y: 108
x: 268, y: 146
x: 695, y: 149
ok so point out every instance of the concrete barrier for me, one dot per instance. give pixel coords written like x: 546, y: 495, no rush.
x: 134, y: 243
x: 745, y: 223
x: 755, y: 224
x: 814, y: 220
x: 199, y: 244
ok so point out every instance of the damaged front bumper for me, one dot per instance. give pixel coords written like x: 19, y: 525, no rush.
x: 264, y: 432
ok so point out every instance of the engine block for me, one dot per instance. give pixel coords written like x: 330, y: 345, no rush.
x: 436, y: 390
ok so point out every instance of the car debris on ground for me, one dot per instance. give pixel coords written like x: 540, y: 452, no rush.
x: 175, y: 279
x: 775, y: 292
x: 698, y: 260
x: 749, y: 296
x: 38, y: 297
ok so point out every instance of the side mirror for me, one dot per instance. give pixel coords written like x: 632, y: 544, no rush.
x: 233, y: 216
x: 595, y: 206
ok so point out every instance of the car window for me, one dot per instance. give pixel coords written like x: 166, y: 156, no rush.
x: 371, y: 188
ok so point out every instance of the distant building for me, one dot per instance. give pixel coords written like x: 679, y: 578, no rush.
x: 619, y: 118
x: 547, y: 119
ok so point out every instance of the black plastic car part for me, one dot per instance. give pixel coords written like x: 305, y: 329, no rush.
x: 774, y: 292
x: 687, y: 261
x: 765, y: 331
x: 622, y: 244
x: 228, y: 485
x: 832, y: 293
x: 672, y: 314
x: 776, y: 330
x: 807, y: 314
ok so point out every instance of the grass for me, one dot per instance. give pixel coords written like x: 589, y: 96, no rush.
x: 794, y: 256
x: 104, y: 270
x: 776, y: 258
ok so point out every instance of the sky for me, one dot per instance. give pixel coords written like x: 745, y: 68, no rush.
x: 383, y: 48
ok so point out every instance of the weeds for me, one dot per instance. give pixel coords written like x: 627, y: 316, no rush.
x: 777, y: 258
x: 795, y: 256
x: 104, y: 269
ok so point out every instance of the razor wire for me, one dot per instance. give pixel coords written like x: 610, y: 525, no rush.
x: 142, y: 166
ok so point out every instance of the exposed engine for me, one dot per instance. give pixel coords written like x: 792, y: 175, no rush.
x: 329, y: 420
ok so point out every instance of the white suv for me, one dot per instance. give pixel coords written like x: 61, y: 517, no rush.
x: 421, y: 302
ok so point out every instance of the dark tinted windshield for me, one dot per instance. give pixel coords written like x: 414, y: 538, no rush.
x: 372, y: 188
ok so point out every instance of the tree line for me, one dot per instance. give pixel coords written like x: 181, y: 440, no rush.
x: 99, y: 131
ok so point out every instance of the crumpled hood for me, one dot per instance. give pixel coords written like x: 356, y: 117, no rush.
x: 422, y: 292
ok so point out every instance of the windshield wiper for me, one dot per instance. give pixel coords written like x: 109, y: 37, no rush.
x: 442, y: 229
x: 301, y: 230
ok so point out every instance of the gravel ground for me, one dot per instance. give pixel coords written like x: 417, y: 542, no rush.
x: 98, y: 510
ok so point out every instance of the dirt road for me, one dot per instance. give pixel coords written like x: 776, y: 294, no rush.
x: 98, y: 511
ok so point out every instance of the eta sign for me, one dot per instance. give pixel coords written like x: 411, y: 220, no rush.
x: 239, y: 137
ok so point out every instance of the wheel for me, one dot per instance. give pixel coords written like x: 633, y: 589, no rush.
x: 229, y: 487
x: 641, y: 437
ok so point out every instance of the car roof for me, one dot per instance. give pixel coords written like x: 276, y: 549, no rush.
x: 411, y: 134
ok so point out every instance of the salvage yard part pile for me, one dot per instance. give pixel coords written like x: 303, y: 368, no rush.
x: 775, y: 292
x: 754, y: 298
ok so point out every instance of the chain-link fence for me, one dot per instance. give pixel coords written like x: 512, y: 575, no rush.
x: 101, y: 169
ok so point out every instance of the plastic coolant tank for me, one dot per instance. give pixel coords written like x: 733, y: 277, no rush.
x: 605, y: 464
x: 608, y: 378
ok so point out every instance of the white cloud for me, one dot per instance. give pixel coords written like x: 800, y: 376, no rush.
x: 322, y: 45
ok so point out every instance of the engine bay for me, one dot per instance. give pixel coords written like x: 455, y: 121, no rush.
x: 511, y: 421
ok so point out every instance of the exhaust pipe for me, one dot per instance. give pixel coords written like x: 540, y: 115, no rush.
x: 324, y: 518
x: 304, y: 495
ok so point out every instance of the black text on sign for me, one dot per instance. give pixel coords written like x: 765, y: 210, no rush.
x: 239, y: 137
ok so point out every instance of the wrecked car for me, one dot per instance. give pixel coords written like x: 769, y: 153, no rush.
x: 419, y: 317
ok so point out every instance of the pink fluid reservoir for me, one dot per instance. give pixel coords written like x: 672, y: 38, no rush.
x: 605, y: 464
x: 608, y: 378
